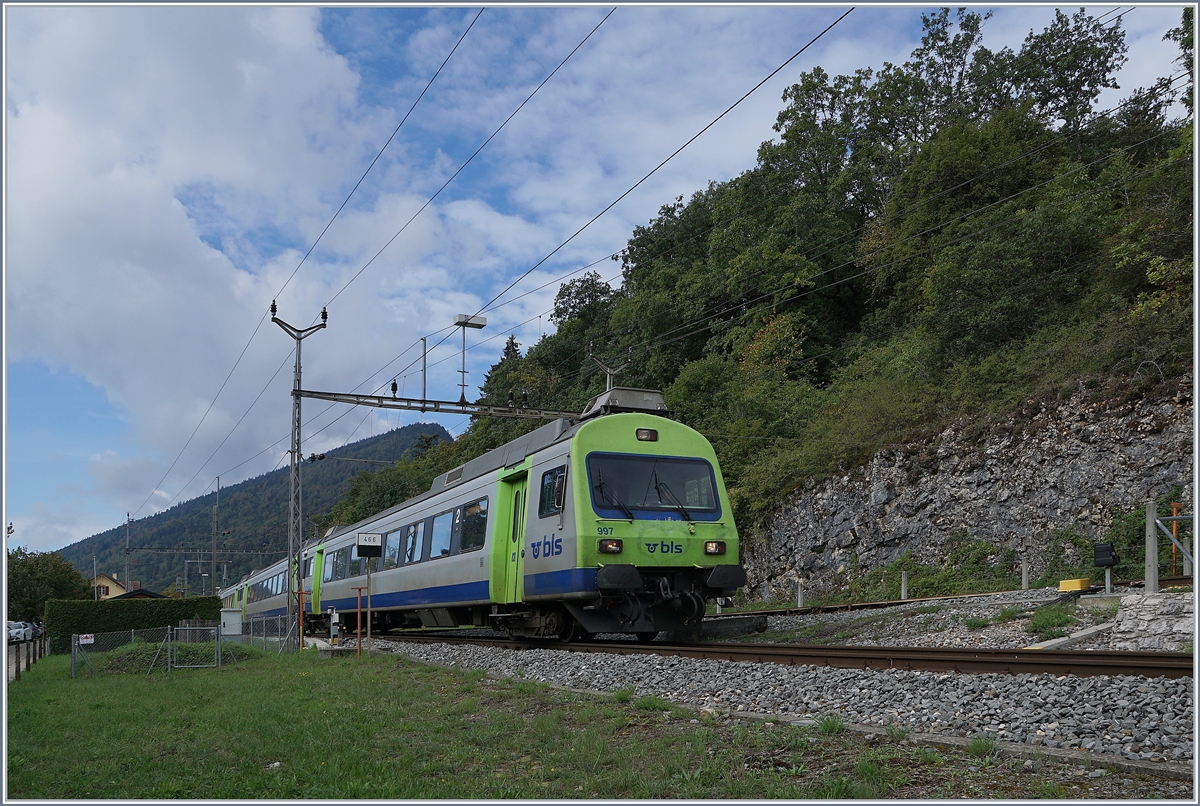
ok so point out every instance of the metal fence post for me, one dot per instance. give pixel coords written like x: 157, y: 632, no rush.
x: 74, y: 653
x: 1151, y: 547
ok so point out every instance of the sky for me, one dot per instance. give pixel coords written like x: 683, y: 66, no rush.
x: 167, y: 168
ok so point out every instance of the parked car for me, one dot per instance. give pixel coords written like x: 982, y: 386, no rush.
x: 38, y: 630
x: 19, y: 631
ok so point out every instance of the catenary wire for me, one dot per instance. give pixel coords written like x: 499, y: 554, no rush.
x: 263, y: 318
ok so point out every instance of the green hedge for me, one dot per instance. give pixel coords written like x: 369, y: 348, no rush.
x: 66, y: 617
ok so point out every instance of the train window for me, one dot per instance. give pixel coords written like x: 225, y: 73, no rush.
x: 327, y: 576
x: 339, y: 563
x: 546, y: 503
x: 357, y: 566
x: 474, y: 525
x: 443, y: 525
x: 655, y: 487
x: 391, y: 549
x: 414, y: 537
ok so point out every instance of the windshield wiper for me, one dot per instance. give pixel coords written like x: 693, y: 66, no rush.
x: 661, y: 487
x: 610, y: 496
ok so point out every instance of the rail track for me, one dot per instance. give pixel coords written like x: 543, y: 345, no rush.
x: 840, y: 608
x: 969, y: 661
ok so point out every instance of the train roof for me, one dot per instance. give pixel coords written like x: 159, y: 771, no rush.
x: 613, y: 401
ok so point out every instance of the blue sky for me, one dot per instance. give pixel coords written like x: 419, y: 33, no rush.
x: 168, y: 167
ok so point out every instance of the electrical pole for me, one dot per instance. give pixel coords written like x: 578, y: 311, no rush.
x: 127, y: 519
x: 214, y: 533
x: 295, y: 523
x: 464, y: 321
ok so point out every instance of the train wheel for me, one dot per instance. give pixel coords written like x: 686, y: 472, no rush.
x: 571, y: 631
x: 646, y: 637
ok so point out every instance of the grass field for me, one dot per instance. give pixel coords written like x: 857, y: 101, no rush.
x: 301, y: 727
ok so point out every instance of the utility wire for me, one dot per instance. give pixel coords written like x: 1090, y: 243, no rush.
x: 668, y: 159
x: 469, y: 159
x: 263, y: 318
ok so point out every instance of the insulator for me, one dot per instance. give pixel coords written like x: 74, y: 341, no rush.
x: 324, y: 315
x: 394, y: 387
x: 273, y: 308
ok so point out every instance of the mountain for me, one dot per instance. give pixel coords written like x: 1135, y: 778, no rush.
x: 254, y: 512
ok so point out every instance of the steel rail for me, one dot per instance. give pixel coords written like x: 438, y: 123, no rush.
x: 969, y: 661
x: 848, y: 606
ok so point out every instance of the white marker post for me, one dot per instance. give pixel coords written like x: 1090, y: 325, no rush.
x: 370, y: 546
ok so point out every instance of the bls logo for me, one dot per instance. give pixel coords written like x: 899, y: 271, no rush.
x: 665, y: 548
x: 548, y: 547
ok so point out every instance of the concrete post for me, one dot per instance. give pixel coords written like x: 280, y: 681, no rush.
x: 903, y: 585
x: 799, y: 593
x: 1151, y: 547
x: 1024, y: 575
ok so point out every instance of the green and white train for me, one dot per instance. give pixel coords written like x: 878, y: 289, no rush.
x: 615, y: 522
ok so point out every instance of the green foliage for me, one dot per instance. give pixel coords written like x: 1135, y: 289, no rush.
x: 975, y: 623
x: 982, y: 746
x: 66, y: 618
x: 969, y: 566
x: 35, y: 577
x: 830, y: 724
x: 1047, y: 621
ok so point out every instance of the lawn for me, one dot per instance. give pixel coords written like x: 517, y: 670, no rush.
x: 302, y: 727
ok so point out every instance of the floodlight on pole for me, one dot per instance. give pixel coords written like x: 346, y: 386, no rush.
x: 465, y: 321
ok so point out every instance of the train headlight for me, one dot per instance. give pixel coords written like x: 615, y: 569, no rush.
x: 714, y: 547
x: 647, y: 435
x: 610, y: 545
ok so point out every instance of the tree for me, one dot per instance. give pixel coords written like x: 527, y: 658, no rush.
x: 34, y: 577
x: 1184, y: 36
x: 1067, y: 65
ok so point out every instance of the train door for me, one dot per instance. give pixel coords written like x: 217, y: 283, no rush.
x: 318, y: 568
x: 510, y: 528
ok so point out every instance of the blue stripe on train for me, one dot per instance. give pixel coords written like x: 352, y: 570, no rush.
x: 551, y: 583
x: 463, y: 593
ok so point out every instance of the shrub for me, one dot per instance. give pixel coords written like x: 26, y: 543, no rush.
x: 1047, y: 622
x: 65, y: 618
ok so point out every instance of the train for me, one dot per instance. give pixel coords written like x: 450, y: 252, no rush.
x: 617, y: 521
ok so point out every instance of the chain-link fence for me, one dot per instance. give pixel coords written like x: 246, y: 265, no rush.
x: 270, y: 633
x: 157, y: 651
x: 121, y: 652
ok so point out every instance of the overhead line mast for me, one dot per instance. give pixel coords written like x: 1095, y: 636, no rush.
x: 295, y: 524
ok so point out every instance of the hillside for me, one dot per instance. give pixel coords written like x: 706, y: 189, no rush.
x: 961, y: 239
x: 254, y: 511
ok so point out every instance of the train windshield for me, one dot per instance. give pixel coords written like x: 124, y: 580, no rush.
x: 652, y: 487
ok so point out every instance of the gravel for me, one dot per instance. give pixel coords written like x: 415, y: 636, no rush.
x: 1134, y: 717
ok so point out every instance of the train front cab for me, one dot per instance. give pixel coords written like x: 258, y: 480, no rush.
x: 648, y: 535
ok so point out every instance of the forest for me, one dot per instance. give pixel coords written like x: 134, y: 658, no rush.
x: 253, y: 517
x: 961, y: 237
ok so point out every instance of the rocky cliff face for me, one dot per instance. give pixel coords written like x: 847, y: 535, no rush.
x: 1074, y: 466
